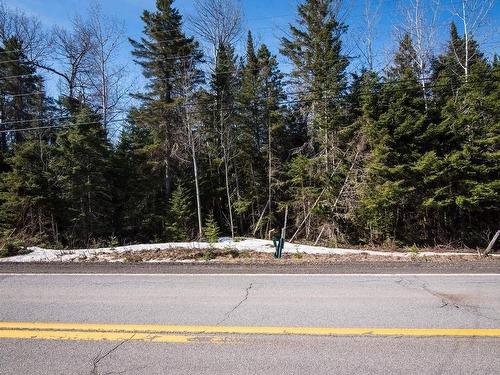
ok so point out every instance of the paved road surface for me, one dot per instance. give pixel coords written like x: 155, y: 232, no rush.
x: 489, y: 265
x: 178, y: 324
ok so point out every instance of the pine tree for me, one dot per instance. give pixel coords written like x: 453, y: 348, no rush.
x: 211, y: 229
x: 29, y: 201
x: 392, y: 191
x: 22, y: 97
x: 162, y: 53
x: 137, y: 189
x: 224, y: 86
x: 180, y: 215
x: 82, y: 166
x: 315, y: 49
x: 463, y: 170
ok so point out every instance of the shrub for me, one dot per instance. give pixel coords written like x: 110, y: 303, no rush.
x: 209, y: 255
x: 13, y: 248
x: 211, y: 230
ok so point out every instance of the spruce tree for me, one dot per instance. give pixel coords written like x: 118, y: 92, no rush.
x: 29, y: 200
x: 138, y: 188
x: 319, y: 76
x: 82, y: 166
x: 249, y: 137
x: 315, y: 49
x: 180, y: 219
x: 260, y: 126
x: 211, y: 230
x: 463, y: 172
x: 22, y: 97
x: 448, y: 74
x: 224, y: 85
x: 391, y: 200
x: 163, y: 53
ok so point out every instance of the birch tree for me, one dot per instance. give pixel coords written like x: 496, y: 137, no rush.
x: 472, y: 15
x: 106, y: 74
x: 218, y: 24
x: 420, y: 25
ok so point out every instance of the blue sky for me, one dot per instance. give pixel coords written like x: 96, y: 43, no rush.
x: 266, y: 18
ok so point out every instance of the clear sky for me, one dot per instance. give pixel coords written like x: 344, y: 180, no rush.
x: 267, y: 19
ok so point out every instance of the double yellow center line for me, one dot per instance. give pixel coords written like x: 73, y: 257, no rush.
x: 186, y: 334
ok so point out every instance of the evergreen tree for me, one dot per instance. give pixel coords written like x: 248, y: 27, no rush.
x: 315, y: 50
x: 22, y: 96
x: 162, y: 54
x: 392, y: 191
x: 181, y: 215
x: 82, y: 166
x: 138, y: 188
x: 250, y: 137
x: 261, y: 120
x: 273, y: 118
x: 211, y: 230
x: 224, y: 85
x: 29, y: 201
x: 319, y: 73
x: 462, y: 172
x: 448, y: 74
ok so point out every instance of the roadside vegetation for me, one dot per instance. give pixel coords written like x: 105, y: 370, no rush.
x: 403, y: 155
x: 233, y: 256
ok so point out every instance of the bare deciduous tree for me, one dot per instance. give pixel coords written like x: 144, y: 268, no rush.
x: 472, y: 15
x: 27, y: 30
x: 69, y: 58
x: 217, y: 22
x: 420, y: 23
x: 189, y: 76
x: 106, y: 75
x: 371, y: 17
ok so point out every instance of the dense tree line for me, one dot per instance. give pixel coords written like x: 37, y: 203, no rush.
x: 408, y: 154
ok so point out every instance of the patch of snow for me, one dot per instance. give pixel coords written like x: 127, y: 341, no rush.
x: 46, y: 255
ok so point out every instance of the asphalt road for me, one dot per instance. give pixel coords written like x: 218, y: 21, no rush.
x: 490, y: 265
x: 249, y: 323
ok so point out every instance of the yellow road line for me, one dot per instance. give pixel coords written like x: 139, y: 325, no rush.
x: 108, y: 336
x: 181, y: 329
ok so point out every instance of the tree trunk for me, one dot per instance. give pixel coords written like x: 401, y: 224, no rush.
x: 270, y: 170
x: 226, y: 175
x: 196, y: 184
x: 489, y: 249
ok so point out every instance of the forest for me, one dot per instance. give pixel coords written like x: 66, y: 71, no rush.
x: 352, y: 152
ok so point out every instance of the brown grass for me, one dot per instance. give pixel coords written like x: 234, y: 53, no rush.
x: 233, y: 256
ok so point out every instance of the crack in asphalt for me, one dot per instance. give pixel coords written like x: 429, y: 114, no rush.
x: 446, y: 301
x: 99, y: 357
x: 228, y: 314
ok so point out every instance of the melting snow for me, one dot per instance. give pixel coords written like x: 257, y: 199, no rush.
x: 47, y: 255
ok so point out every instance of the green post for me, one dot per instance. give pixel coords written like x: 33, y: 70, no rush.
x: 279, y: 242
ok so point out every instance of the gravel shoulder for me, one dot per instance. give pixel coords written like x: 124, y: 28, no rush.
x: 273, y: 266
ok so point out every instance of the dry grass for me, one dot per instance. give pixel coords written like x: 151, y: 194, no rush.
x: 233, y: 256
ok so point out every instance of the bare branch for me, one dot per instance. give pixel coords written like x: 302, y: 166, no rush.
x: 217, y: 22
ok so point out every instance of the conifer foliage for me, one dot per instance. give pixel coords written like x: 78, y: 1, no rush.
x: 224, y: 145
